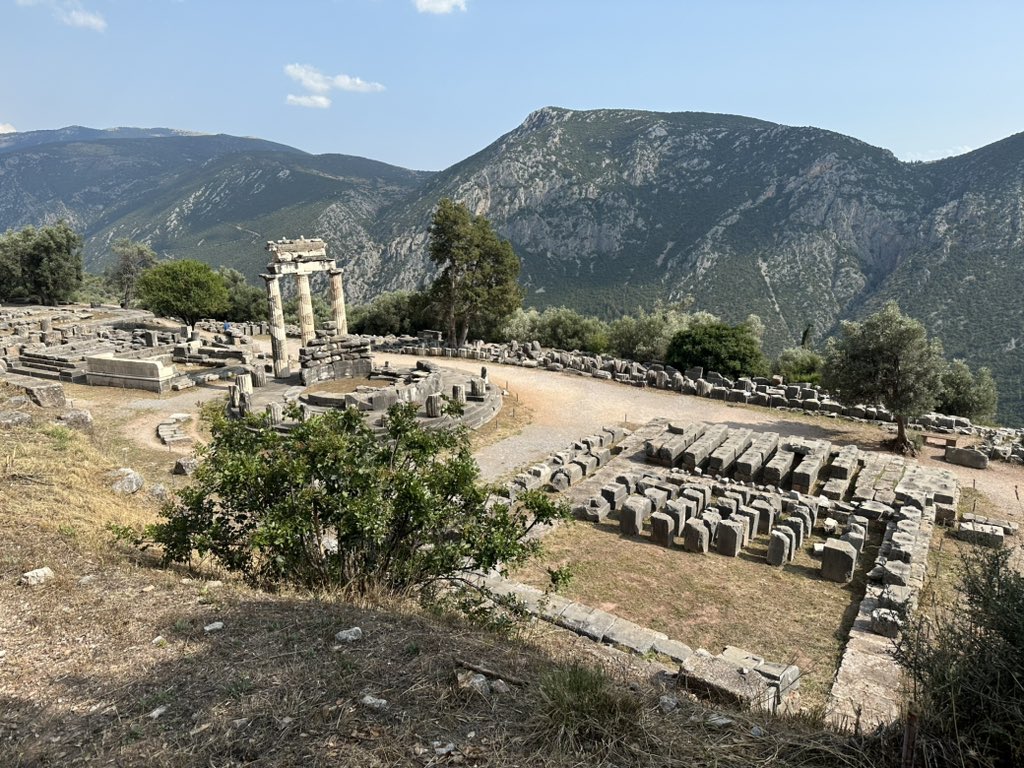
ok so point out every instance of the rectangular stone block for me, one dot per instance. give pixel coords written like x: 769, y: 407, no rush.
x: 663, y: 529
x: 695, y: 536
x: 838, y: 561
x: 731, y: 535
x: 635, y: 510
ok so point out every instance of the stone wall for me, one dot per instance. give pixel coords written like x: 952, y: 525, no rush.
x: 327, y: 357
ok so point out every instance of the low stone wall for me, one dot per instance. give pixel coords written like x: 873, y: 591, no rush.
x: 326, y: 358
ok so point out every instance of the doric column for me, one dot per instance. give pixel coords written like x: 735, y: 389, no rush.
x: 306, y: 327
x: 338, y: 303
x: 278, y: 342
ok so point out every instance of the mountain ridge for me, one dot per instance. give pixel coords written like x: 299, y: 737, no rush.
x: 607, y: 209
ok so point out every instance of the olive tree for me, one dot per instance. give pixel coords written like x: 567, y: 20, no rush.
x: 886, y: 359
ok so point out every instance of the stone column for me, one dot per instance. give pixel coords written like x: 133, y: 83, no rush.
x: 306, y: 327
x: 278, y: 342
x: 338, y: 303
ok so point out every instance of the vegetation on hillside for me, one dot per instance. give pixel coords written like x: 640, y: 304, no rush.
x: 44, y: 264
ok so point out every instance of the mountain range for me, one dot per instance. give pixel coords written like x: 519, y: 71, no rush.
x: 608, y: 210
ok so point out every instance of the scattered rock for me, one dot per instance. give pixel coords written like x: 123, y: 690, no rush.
x: 474, y: 681
x: 668, y: 704
x: 86, y: 580
x: 159, y: 492
x: 349, y: 635
x: 442, y: 749
x: 501, y: 688
x: 186, y: 465
x: 36, y: 577
x: 757, y: 732
x: 157, y: 712
x: 10, y: 419
x: 46, y: 394
x: 126, y: 481
x: 372, y: 702
x: 159, y: 641
x: 76, y: 418
x: 216, y: 626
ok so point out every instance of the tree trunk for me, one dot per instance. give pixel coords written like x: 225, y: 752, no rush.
x: 463, y: 333
x: 903, y: 444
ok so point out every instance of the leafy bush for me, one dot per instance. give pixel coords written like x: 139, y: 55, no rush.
x: 966, y: 665
x: 963, y: 394
x: 558, y: 327
x: 186, y: 289
x: 398, y: 313
x: 646, y: 335
x: 331, y: 503
x: 799, y: 364
x: 731, y: 350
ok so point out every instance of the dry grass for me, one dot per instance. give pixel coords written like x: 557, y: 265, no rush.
x: 85, y: 682
x: 510, y: 420
x: 788, y: 615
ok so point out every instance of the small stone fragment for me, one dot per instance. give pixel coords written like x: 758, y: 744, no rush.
x: 36, y: 577
x: 372, y: 702
x: 217, y: 626
x: 349, y: 635
x: 668, y: 704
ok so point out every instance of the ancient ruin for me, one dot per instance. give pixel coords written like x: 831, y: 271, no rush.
x: 300, y: 258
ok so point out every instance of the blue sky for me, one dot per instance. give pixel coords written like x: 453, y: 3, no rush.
x: 425, y: 83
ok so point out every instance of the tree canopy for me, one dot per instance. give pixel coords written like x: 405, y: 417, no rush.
x: 131, y: 260
x: 964, y: 394
x: 886, y: 359
x: 477, y: 287
x: 245, y: 302
x: 186, y: 289
x: 731, y: 350
x: 44, y: 263
x: 331, y: 503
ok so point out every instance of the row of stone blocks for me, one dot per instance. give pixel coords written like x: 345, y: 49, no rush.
x: 565, y: 468
x: 748, y: 456
x: 677, y: 508
x: 734, y: 676
x: 765, y: 392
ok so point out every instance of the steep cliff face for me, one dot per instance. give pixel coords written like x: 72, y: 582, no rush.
x: 607, y: 209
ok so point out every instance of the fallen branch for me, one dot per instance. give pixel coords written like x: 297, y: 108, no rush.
x: 489, y: 672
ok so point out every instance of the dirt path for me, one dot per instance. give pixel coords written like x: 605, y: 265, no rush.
x: 566, y: 408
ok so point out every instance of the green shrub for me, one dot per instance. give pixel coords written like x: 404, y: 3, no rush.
x: 558, y: 327
x: 964, y: 394
x: 966, y: 666
x: 799, y: 364
x: 731, y: 350
x: 331, y: 503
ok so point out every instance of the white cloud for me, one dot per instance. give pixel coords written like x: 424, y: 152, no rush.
x: 71, y: 13
x: 314, y: 101
x: 7, y: 128
x: 439, y: 6
x: 319, y: 85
